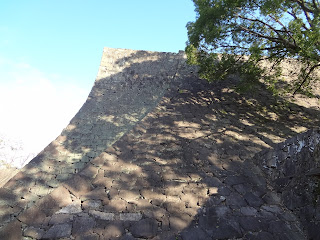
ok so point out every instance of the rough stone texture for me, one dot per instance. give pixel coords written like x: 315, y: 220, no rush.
x: 102, y: 215
x: 146, y: 228
x: 156, y: 153
x: 58, y: 231
x: 130, y: 216
x: 36, y: 233
x: 293, y: 169
x: 129, y: 84
x: 11, y: 231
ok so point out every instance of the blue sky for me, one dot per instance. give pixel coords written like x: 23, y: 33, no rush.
x: 50, y: 53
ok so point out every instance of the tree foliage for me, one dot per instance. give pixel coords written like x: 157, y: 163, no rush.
x: 261, y: 29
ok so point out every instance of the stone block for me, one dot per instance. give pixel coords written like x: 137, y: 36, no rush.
x: 116, y: 205
x: 82, y: 224
x: 7, y: 212
x: 112, y: 230
x: 102, y: 215
x: 61, y: 196
x: 248, y: 211
x: 189, y: 200
x: 59, y: 231
x: 145, y: 228
x: 12, y: 231
x: 178, y: 223
x: 78, y: 185
x: 90, y: 171
x: 253, y: 200
x: 60, y: 218
x: 72, y: 208
x: 98, y: 193
x: 129, y: 195
x: 91, y: 204
x: 235, y: 199
x: 98, y: 161
x: 35, y: 233
x: 142, y: 204
x: 130, y: 216
x: 32, y: 216
x: 6, y: 196
x: 253, y: 224
x: 47, y: 205
x: 194, y: 233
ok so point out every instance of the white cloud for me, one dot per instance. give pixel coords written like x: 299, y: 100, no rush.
x: 34, y: 106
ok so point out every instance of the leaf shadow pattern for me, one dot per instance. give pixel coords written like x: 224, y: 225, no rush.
x: 179, y: 162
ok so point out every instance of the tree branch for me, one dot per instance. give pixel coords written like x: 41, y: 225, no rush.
x: 306, y: 11
x: 280, y: 39
x: 272, y: 39
x: 306, y: 77
x: 284, y: 27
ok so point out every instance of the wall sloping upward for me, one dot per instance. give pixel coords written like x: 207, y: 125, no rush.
x: 129, y: 84
x: 157, y: 153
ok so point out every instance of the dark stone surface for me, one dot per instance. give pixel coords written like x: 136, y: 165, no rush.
x: 58, y: 231
x: 236, y: 200
x: 145, y: 228
x: 265, y: 236
x: 195, y: 233
x: 254, y: 224
x: 227, y: 229
x: 12, y: 231
x: 82, y: 225
x: 113, y: 230
x: 253, y: 200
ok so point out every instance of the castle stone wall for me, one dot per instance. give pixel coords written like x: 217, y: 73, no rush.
x: 293, y: 170
x: 129, y: 84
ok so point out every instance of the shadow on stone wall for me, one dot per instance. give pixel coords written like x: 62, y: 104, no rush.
x: 293, y: 170
x: 175, y: 165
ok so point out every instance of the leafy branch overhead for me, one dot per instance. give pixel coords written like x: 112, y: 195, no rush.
x: 262, y: 29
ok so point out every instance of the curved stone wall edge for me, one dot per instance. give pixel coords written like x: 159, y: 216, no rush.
x: 129, y: 84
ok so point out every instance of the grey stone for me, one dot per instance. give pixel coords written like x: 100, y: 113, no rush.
x: 253, y: 200
x: 265, y: 236
x: 32, y: 232
x: 236, y: 200
x: 241, y: 188
x: 145, y: 228
x: 253, y: 224
x: 60, y: 218
x: 11, y: 230
x: 127, y: 237
x: 194, y: 233
x: 208, y: 221
x: 277, y: 227
x: 91, y: 204
x: 82, y: 225
x: 227, y: 229
x: 234, y: 180
x: 271, y: 198
x: 225, y: 191
x: 88, y: 237
x: 58, y: 231
x: 248, y: 211
x: 130, y: 216
x: 102, y: 215
x: 272, y: 208
x: 71, y: 209
x: 113, y: 230
x: 219, y: 211
x: 313, y: 230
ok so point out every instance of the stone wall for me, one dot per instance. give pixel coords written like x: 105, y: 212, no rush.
x: 129, y: 84
x: 293, y: 170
